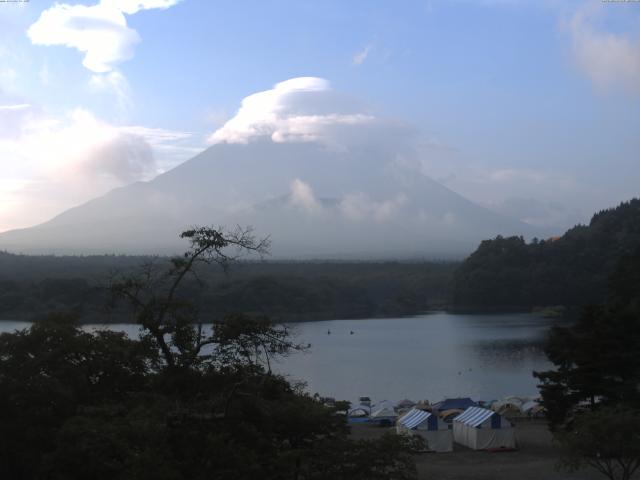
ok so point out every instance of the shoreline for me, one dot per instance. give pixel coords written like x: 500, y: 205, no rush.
x: 105, y: 319
x: 543, y: 312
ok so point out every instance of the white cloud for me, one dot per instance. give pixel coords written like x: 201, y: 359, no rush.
x: 361, y: 56
x: 611, y: 60
x: 99, y: 31
x: 302, y: 196
x: 301, y: 109
x: 13, y: 108
x: 53, y: 163
x: 8, y: 77
x: 543, y: 213
x: 524, y: 176
x: 134, y: 6
x: 359, y: 206
x: 510, y: 191
x: 114, y: 82
x: 45, y: 75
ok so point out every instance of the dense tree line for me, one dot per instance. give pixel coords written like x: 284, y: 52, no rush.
x: 287, y: 291
x: 592, y: 396
x: 180, y: 402
x: 571, y: 270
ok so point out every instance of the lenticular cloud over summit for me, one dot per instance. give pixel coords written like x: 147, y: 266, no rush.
x: 303, y: 109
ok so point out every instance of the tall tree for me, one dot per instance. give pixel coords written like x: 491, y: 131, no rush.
x: 593, y: 395
x: 184, y: 401
x: 598, y: 358
x: 606, y: 440
x: 167, y: 315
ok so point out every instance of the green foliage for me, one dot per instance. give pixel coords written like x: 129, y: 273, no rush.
x: 606, y: 439
x: 593, y: 395
x: 388, y: 458
x: 50, y: 371
x: 597, y: 358
x: 597, y: 361
x: 182, y: 402
x: 572, y: 270
x: 77, y: 405
x: 287, y: 291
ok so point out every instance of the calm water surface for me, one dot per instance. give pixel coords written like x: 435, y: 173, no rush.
x: 424, y: 357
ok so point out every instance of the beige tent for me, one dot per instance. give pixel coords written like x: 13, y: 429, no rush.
x: 482, y: 429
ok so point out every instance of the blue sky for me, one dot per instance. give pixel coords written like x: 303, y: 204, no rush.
x: 531, y: 108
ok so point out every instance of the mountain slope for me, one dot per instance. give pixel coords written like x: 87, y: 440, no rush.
x: 570, y: 270
x: 312, y: 201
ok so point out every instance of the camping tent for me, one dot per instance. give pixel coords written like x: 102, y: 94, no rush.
x: 482, y: 429
x: 449, y: 415
x: 358, y: 415
x: 533, y: 409
x: 432, y: 429
x: 451, y: 403
x: 384, y: 416
x: 509, y: 406
x: 406, y: 403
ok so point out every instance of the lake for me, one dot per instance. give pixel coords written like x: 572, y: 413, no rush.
x: 429, y: 356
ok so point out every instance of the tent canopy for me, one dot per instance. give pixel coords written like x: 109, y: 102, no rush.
x: 384, y: 412
x: 458, y: 403
x: 419, y: 419
x: 480, y: 429
x: 358, y: 412
x: 476, y: 416
x: 436, y: 433
x: 406, y: 403
x: 449, y: 415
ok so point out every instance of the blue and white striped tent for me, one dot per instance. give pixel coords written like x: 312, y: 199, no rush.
x: 430, y: 427
x: 482, y: 429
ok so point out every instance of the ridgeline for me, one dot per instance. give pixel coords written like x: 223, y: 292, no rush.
x: 572, y: 270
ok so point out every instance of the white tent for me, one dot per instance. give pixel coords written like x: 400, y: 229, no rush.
x: 482, y: 429
x: 432, y: 429
x: 384, y: 415
x: 533, y: 409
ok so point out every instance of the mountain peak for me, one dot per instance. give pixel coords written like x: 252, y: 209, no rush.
x: 313, y: 200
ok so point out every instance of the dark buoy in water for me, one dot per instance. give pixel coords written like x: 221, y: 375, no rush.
x: 351, y: 332
x: 328, y: 332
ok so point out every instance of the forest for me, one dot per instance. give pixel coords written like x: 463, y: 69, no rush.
x: 571, y: 270
x: 505, y: 273
x: 177, y: 402
x: 284, y: 291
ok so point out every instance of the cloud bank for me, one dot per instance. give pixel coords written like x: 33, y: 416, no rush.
x: 51, y: 163
x: 360, y: 206
x: 611, y: 60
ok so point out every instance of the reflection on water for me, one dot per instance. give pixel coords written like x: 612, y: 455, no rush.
x: 428, y: 356
x: 503, y: 352
x: 425, y: 357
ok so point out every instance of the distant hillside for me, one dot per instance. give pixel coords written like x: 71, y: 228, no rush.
x: 571, y: 270
x: 287, y: 291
